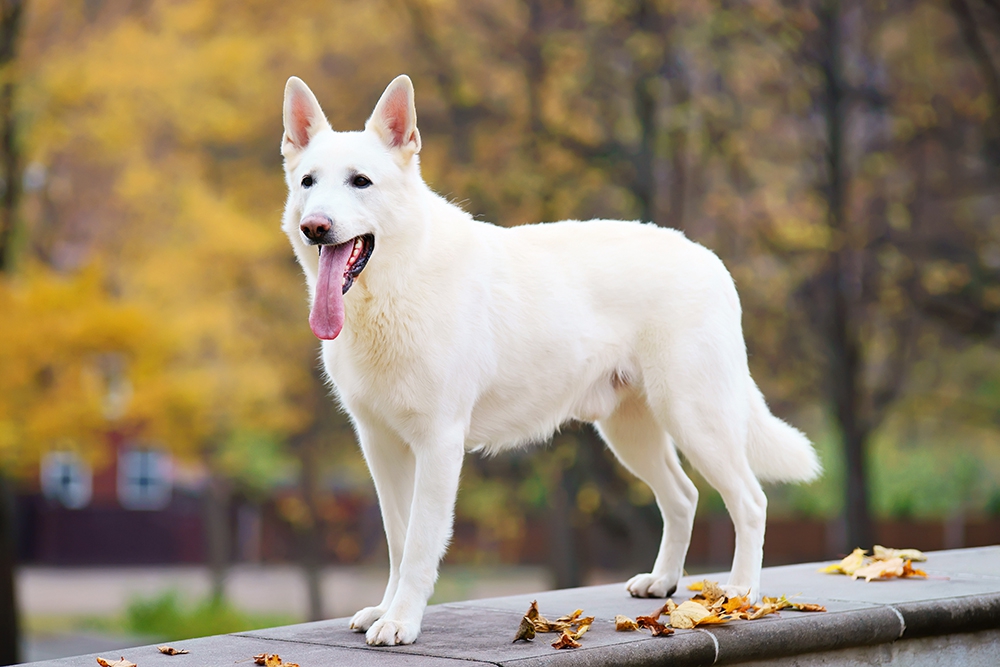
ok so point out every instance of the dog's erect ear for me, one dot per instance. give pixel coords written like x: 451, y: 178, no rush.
x: 302, y: 115
x: 395, y: 117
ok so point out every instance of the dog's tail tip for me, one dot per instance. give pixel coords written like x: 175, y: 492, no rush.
x: 779, y: 452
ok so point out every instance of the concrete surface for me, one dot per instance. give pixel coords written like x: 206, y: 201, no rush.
x: 951, y: 618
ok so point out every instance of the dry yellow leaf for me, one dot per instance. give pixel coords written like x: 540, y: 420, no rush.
x: 687, y: 614
x: 170, y: 650
x: 910, y: 571
x: 807, y: 606
x: 566, y: 641
x: 570, y: 618
x: 117, y: 663
x: 625, y: 624
x: 885, y: 553
x: 848, y: 565
x: 696, y: 585
x: 880, y: 569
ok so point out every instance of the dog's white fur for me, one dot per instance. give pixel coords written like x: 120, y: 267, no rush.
x: 461, y: 335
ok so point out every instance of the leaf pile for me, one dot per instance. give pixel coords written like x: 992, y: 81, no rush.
x: 271, y: 660
x: 571, y: 627
x: 710, y: 607
x: 884, y: 563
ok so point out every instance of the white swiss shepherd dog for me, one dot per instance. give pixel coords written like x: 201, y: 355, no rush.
x: 442, y: 335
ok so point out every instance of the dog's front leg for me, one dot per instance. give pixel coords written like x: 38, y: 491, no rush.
x: 438, y: 467
x: 392, y: 466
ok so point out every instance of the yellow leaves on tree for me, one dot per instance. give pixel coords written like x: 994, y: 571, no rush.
x: 884, y: 563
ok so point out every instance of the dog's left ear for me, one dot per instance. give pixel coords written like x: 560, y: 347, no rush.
x: 395, y: 117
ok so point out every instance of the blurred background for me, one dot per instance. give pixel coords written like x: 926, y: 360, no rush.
x: 170, y: 461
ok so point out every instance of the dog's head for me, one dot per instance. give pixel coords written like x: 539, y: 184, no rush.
x: 344, y: 191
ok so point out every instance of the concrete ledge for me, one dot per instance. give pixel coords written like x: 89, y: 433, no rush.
x: 952, y: 617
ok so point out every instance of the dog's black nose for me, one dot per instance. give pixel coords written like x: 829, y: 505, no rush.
x: 315, y: 227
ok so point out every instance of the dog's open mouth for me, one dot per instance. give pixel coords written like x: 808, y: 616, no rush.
x: 339, y: 266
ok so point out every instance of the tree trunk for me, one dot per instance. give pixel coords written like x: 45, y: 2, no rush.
x: 218, y: 535
x: 9, y: 633
x: 11, y: 12
x: 311, y: 538
x: 843, y: 286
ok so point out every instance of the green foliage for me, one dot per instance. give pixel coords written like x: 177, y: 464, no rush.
x: 166, y: 618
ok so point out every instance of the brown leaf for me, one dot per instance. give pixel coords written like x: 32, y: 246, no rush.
x: 711, y: 592
x: 271, y: 660
x: 805, y: 606
x: 566, y: 641
x: 117, y: 663
x: 625, y: 624
x: 525, y: 631
x: 170, y: 650
x: 650, y: 623
x: 571, y: 619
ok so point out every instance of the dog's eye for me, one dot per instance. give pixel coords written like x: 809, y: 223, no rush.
x: 361, y: 181
x: 308, y: 181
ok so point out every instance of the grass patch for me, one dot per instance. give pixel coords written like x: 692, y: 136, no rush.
x: 166, y: 617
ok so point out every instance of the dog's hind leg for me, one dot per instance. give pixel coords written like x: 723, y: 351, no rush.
x: 646, y: 450
x: 393, y: 467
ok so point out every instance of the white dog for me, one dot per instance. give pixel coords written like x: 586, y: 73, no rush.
x: 460, y: 335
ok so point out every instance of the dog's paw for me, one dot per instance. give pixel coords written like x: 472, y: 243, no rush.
x: 651, y: 586
x: 385, y: 632
x: 364, y: 618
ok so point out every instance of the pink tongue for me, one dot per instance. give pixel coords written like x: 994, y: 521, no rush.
x: 327, y: 316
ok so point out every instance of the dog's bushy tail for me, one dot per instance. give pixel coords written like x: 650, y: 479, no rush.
x: 777, y: 451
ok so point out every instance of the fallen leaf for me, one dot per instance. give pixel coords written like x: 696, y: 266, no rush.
x: 582, y: 625
x: 170, y: 650
x: 714, y: 619
x: 271, y: 660
x: 711, y: 592
x: 803, y: 606
x: 736, y: 605
x: 571, y: 618
x: 566, y: 641
x: 525, y: 631
x: 650, y: 623
x: 625, y: 624
x: 696, y: 585
x: 117, y: 663
x: 880, y: 569
x: 687, y: 615
x: 884, y: 553
x: 848, y: 565
x: 910, y: 571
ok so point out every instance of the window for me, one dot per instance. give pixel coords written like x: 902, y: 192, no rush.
x: 67, y: 478
x: 144, y: 479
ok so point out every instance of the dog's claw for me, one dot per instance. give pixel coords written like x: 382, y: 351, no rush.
x: 366, y: 617
x: 651, y: 586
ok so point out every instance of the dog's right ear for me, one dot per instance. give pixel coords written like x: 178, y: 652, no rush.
x: 303, y: 118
